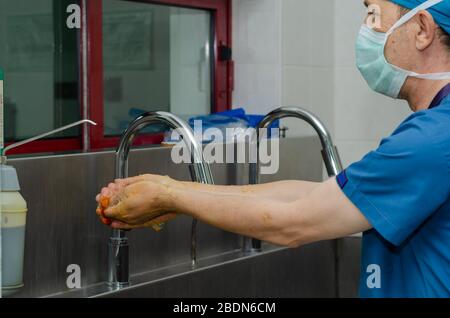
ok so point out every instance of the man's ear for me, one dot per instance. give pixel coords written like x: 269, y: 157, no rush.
x: 427, y: 30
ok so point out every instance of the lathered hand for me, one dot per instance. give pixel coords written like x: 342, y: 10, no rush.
x: 136, y: 202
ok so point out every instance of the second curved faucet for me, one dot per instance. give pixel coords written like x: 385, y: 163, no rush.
x: 330, y: 154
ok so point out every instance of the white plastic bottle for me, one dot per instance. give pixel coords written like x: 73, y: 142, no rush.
x: 1, y: 112
x: 13, y: 212
x: 13, y: 220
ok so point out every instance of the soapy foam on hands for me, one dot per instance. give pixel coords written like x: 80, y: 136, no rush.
x: 105, y: 203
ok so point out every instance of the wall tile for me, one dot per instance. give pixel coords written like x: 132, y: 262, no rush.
x: 354, y: 150
x: 257, y: 31
x: 308, y: 37
x: 360, y: 113
x: 258, y: 87
x: 349, y: 16
x: 311, y: 88
x: 257, y: 53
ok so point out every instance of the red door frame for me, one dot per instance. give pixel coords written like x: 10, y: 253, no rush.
x: 47, y: 146
x: 223, y: 81
x: 221, y: 10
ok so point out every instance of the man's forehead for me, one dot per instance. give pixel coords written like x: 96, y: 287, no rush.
x: 385, y: 5
x: 370, y: 2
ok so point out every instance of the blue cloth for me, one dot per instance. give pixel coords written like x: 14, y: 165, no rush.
x: 403, y: 189
x: 252, y: 120
x: 440, y: 96
x: 232, y: 117
x: 440, y: 12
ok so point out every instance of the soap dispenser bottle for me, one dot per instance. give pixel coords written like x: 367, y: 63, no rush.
x: 13, y: 220
x: 13, y: 214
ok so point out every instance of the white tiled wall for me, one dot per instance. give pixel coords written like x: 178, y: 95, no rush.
x: 313, y: 67
x: 257, y: 54
x: 308, y: 58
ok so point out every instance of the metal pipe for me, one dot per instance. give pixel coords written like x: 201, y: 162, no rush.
x: 330, y: 153
x: 41, y: 136
x: 118, y: 271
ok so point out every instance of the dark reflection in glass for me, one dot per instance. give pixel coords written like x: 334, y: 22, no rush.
x: 39, y: 55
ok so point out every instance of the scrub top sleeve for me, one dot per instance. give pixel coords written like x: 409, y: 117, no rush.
x: 399, y: 185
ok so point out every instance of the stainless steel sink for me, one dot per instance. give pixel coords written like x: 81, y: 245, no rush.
x: 62, y: 229
x: 305, y: 272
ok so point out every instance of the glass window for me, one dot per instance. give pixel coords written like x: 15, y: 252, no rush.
x: 39, y: 56
x: 155, y: 57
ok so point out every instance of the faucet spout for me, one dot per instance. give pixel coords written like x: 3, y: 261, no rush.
x: 118, y: 263
x: 330, y: 153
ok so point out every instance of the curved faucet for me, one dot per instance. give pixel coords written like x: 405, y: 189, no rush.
x: 118, y: 264
x: 330, y: 154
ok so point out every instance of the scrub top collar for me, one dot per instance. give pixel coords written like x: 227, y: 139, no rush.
x: 440, y: 96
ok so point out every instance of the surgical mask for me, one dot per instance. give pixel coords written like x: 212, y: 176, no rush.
x: 383, y: 77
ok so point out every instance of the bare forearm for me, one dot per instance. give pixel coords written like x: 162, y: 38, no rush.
x: 284, y: 191
x: 248, y: 213
x: 323, y: 213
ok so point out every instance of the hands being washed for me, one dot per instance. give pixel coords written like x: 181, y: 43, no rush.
x: 136, y: 202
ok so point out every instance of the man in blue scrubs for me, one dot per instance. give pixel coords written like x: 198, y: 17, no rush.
x: 398, y: 194
x: 402, y: 188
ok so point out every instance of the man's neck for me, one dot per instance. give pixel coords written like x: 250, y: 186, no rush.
x: 420, y: 93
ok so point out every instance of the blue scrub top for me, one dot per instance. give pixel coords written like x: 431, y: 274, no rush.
x: 403, y: 189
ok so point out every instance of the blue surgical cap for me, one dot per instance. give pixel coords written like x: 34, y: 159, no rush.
x: 440, y: 12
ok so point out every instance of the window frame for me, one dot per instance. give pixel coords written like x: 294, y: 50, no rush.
x: 92, y: 138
